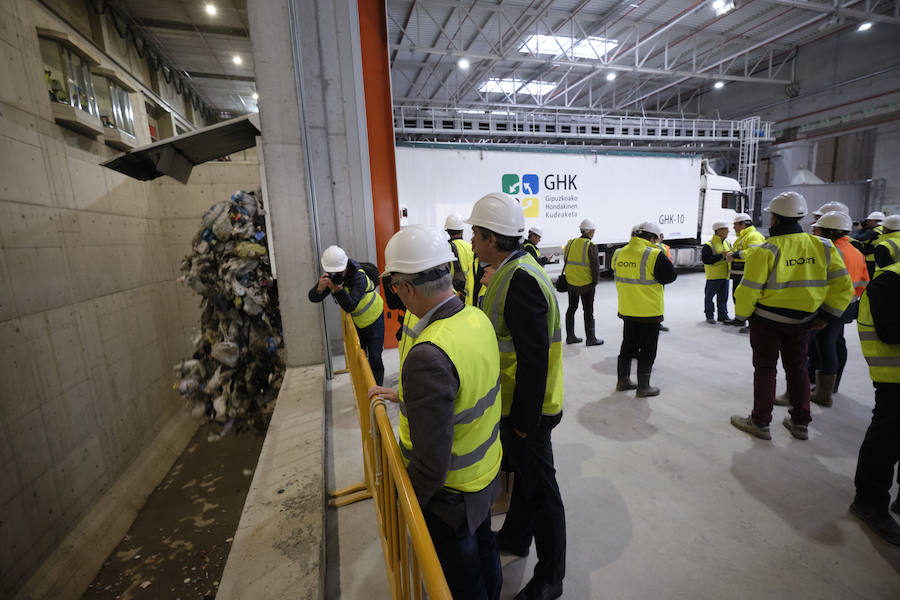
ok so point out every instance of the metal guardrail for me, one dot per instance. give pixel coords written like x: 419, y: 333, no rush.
x: 409, y: 556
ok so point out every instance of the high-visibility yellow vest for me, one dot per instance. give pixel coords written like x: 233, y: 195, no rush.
x: 746, y: 238
x: 870, y: 256
x: 407, y: 335
x: 527, y: 245
x: 493, y: 306
x: 891, y: 241
x: 578, y: 264
x: 369, y: 307
x: 720, y: 269
x: 467, y: 338
x: 640, y: 295
x: 466, y: 262
x: 883, y: 359
x: 797, y: 271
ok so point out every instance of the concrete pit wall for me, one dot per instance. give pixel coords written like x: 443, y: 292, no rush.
x: 91, y: 317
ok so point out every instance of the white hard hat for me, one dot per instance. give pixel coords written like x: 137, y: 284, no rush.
x: 833, y: 206
x: 536, y: 230
x: 892, y: 222
x: 875, y: 216
x: 834, y: 219
x: 719, y: 225
x: 587, y: 225
x: 646, y: 227
x: 500, y: 213
x: 788, y: 204
x: 334, y: 259
x: 415, y: 249
x: 741, y: 217
x: 453, y: 223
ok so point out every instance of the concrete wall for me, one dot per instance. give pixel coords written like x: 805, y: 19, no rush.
x: 90, y: 314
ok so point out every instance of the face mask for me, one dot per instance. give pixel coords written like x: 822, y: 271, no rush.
x: 336, y: 278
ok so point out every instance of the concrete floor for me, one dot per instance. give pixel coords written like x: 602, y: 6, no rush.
x: 664, y: 498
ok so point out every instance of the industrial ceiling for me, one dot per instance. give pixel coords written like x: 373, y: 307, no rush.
x: 650, y: 58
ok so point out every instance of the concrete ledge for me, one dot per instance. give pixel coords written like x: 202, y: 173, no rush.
x: 73, y: 565
x: 279, y: 544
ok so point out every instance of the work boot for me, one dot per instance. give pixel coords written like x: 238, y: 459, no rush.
x: 570, y: 328
x: 824, y: 388
x: 501, y: 504
x: 747, y: 425
x: 879, y: 521
x: 591, y: 338
x: 571, y: 339
x: 711, y: 321
x: 624, y: 371
x: 783, y: 400
x: 801, y: 432
x: 644, y: 389
x: 663, y: 327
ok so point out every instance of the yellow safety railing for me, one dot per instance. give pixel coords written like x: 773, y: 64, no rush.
x: 409, y: 555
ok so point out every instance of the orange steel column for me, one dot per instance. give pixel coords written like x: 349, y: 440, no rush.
x: 380, y: 128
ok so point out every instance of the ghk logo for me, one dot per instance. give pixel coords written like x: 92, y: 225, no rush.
x: 529, y: 186
x: 793, y: 262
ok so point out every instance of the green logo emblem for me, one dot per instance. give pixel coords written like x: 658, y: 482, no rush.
x: 510, y: 183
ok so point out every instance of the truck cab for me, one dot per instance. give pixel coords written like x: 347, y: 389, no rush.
x: 720, y: 199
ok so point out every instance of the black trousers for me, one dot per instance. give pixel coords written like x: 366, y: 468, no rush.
x: 371, y: 339
x: 470, y: 562
x: 536, y: 507
x: 586, y: 294
x: 880, y: 449
x: 639, y: 341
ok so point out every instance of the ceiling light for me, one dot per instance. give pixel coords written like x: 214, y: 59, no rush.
x: 723, y: 6
x: 555, y: 45
x: 236, y: 59
x: 864, y: 26
x: 463, y: 63
x: 719, y: 85
x: 516, y: 86
x: 255, y: 96
x: 211, y: 9
x: 610, y: 76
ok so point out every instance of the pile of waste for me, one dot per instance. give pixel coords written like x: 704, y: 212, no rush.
x: 236, y: 370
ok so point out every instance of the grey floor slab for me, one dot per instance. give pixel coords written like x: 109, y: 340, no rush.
x: 664, y: 498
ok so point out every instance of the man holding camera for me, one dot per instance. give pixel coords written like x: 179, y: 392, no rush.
x: 356, y: 294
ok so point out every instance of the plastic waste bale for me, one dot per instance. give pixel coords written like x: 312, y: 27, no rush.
x: 236, y: 369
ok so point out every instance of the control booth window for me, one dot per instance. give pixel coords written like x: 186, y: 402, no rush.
x: 114, y: 105
x: 68, y: 77
x: 736, y: 201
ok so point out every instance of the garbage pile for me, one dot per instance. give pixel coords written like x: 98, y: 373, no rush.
x: 236, y: 370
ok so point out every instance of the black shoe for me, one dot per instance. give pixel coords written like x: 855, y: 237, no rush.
x: 663, y: 327
x: 505, y: 547
x: 724, y: 320
x: 744, y: 330
x: 537, y: 590
x: 593, y: 342
x: 711, y: 321
x: 895, y: 507
x: 881, y: 523
x: 573, y: 340
x: 735, y: 322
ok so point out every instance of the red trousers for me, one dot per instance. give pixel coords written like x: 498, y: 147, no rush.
x: 790, y: 341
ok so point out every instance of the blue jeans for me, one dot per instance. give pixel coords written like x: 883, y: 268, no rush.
x: 471, y: 563
x: 719, y: 289
x: 371, y: 339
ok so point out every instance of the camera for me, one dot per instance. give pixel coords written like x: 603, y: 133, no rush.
x: 336, y: 278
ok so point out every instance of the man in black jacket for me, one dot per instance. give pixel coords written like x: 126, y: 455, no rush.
x: 879, y: 334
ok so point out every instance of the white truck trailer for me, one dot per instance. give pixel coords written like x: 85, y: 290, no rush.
x: 557, y: 189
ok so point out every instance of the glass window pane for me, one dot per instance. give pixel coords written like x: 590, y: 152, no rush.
x: 54, y: 73
x: 104, y: 101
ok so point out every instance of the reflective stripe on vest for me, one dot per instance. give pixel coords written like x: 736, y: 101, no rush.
x: 883, y: 359
x: 578, y: 263
x: 467, y: 263
x: 369, y: 307
x: 720, y: 269
x: 640, y: 295
x: 493, y: 305
x: 467, y: 339
x: 891, y: 241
